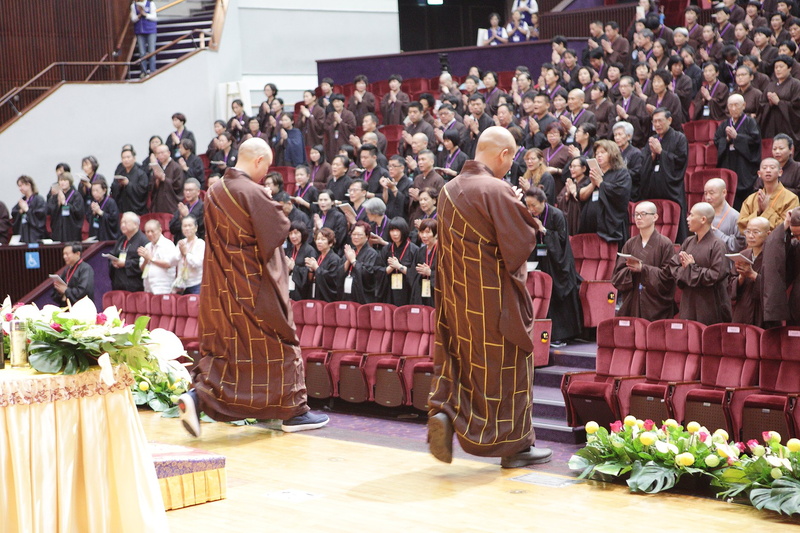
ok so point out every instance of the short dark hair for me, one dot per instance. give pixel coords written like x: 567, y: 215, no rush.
x: 415, y: 105
x: 188, y: 144
x: 396, y: 77
x: 76, y: 247
x: 65, y: 167
x: 368, y: 147
x: 359, y: 78
x: 559, y: 39
x: 372, y: 117
x: 328, y: 233
x: 536, y: 192
x: 299, y: 226
x: 337, y: 96
x: 453, y: 136
x: 274, y: 88
x: 282, y: 197
x: 667, y: 112
x: 429, y: 223
x: 399, y: 223
x: 360, y: 182
x: 613, y: 25
x: 784, y: 137
x: 179, y: 116
x: 477, y: 96
x: 329, y: 81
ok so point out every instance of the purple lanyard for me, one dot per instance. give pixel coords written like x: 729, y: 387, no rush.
x: 383, y: 226
x: 302, y: 192
x: 728, y: 25
x: 179, y: 134
x: 626, y: 105
x: 360, y: 210
x: 519, y: 152
x: 368, y: 175
x: 314, y: 173
x: 644, y: 87
x: 740, y: 122
x: 71, y: 194
x: 491, y: 93
x: 324, y: 218
x: 574, y: 118
x: 451, y: 158
x: 714, y: 89
x: 194, y: 204
x: 452, y: 123
x: 649, y: 54
x: 551, y: 156
x: 544, y: 222
x: 104, y: 203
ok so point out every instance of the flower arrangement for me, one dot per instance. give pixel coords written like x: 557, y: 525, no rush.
x: 655, y: 458
x: 72, y: 339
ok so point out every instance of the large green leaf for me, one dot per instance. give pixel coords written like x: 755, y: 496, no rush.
x: 652, y: 478
x: 612, y: 468
x: 45, y: 361
x: 783, y: 497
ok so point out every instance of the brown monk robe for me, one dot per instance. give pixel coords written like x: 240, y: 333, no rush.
x: 644, y: 282
x: 483, y: 384
x: 701, y: 271
x: 747, y: 280
x: 782, y: 269
x: 250, y: 365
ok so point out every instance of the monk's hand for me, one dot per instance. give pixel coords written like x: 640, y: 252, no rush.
x: 60, y: 287
x: 413, y: 193
x: 773, y: 98
x: 607, y: 46
x: 744, y: 269
x: 655, y: 146
x: 686, y: 259
x: 565, y: 121
x: 317, y: 221
x: 705, y: 93
x: 634, y: 264
x: 519, y: 193
x: 304, y: 110
x: 730, y: 132
x: 574, y: 151
x: 763, y: 201
x: 412, y: 165
x: 621, y: 112
x: 652, y: 63
x: 537, y: 224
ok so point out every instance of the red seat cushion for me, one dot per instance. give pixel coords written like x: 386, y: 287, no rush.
x: 714, y: 396
x: 766, y: 401
x: 657, y: 390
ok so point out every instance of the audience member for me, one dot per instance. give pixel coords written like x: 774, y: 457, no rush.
x: 191, y: 205
x: 632, y: 156
x: 339, y: 125
x: 226, y: 155
x: 89, y: 164
x: 166, y: 182
x: 711, y: 101
x: 495, y: 34
x: 76, y: 280
x: 783, y: 151
x: 330, y: 217
x: 606, y: 196
x: 569, y: 200
x: 319, y: 168
x: 368, y: 155
x: 642, y: 276
x: 738, y: 143
x: 190, y: 163
x: 423, y: 278
x: 296, y: 253
x: 726, y: 219
x: 536, y: 175
x: 306, y: 194
x: 144, y: 17
x: 290, y: 148
x: 426, y: 178
x: 213, y: 147
x: 663, y: 98
x: 30, y: 214
x: 237, y: 124
x: 175, y: 138
x: 325, y: 269
x: 339, y: 183
x: 747, y: 287
x: 781, y: 268
x: 124, y: 268
x: 451, y: 158
x: 359, y: 276
x: 103, y: 213
x: 772, y: 201
x: 517, y: 29
x: 780, y: 102
x: 190, y: 253
x: 745, y: 87
x: 700, y: 270
x: 65, y: 209
x: 395, y: 188
x: 157, y: 260
x: 362, y: 101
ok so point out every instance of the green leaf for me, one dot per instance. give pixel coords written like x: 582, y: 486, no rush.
x: 46, y: 362
x: 140, y: 397
x: 783, y: 497
x: 172, y: 412
x: 612, y: 469
x: 652, y: 478
x: 576, y: 462
x: 158, y: 405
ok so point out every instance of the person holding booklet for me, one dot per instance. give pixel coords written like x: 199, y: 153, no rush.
x: 747, y: 283
x: 76, y: 280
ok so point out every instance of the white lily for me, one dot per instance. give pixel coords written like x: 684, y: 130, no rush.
x: 112, y: 314
x: 27, y: 312
x: 48, y: 311
x: 6, y: 306
x: 165, y: 345
x: 665, y: 447
x: 83, y: 311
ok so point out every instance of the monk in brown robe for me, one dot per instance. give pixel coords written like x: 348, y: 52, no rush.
x: 701, y: 270
x: 782, y: 269
x: 644, y: 281
x: 250, y: 365
x: 747, y: 281
x: 483, y: 355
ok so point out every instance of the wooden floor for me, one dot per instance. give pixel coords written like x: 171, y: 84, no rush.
x: 300, y: 482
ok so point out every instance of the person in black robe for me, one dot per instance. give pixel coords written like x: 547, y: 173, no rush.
x: 666, y: 157
x: 632, y: 156
x: 662, y: 97
x: 395, y: 188
x: 191, y: 205
x: 700, y: 270
x: 5, y: 224
x: 554, y: 255
x: 190, y: 163
x: 710, y: 100
x: 103, y: 213
x: 131, y: 185
x: 65, y: 209
x: 77, y: 276
x: 292, y: 213
x: 340, y: 181
x: 606, y: 210
x: 780, y: 102
x: 633, y: 110
x: 30, y: 214
x: 397, y: 265
x: 297, y: 252
x: 782, y: 269
x: 360, y: 267
x: 237, y: 124
x: 329, y: 216
x: 747, y: 280
x: 325, y: 269
x: 423, y: 279
x: 306, y: 195
x: 738, y: 142
x: 124, y: 269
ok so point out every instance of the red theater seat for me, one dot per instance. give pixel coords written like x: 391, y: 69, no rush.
x: 673, y: 355
x: 423, y: 374
x: 669, y: 215
x: 115, y: 298
x: 187, y: 321
x: 766, y: 148
x: 701, y: 131
x: 308, y: 322
x: 136, y: 304
x: 163, y: 311
x: 595, y: 260
x: 540, y: 287
x: 695, y: 184
x: 338, y: 333
x: 621, y: 345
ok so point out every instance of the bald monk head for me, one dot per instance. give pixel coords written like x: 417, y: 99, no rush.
x: 496, y: 149
x: 736, y: 106
x: 575, y: 100
x: 714, y: 193
x: 756, y: 232
x: 700, y: 218
x: 255, y: 157
x: 419, y: 141
x: 770, y: 171
x: 645, y: 215
x: 792, y: 222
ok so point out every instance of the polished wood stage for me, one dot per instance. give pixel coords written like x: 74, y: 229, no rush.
x: 304, y: 483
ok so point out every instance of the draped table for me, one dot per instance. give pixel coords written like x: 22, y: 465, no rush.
x: 73, y: 456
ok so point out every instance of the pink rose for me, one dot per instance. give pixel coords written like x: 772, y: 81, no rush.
x: 765, y: 435
x: 101, y: 319
x: 56, y: 326
x: 9, y: 317
x: 648, y: 424
x: 752, y: 443
x: 741, y: 446
x: 703, y: 436
x: 616, y: 427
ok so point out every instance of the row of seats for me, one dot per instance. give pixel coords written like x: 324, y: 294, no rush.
x: 177, y: 313
x: 732, y: 376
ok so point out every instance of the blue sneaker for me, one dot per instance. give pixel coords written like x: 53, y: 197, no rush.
x: 190, y: 414
x: 304, y: 422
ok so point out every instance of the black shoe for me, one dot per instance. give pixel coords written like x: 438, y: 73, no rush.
x: 558, y: 344
x: 304, y: 422
x: 440, y: 437
x: 190, y: 415
x: 531, y: 456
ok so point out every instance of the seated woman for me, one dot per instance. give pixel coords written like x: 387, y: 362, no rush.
x: 568, y: 200
x: 297, y: 252
x: 290, y: 148
x: 306, y: 195
x: 254, y: 131
x: 451, y: 159
x: 65, y: 208
x: 425, y: 281
x: 536, y: 175
x: 191, y: 250
x: 325, y: 271
x: 359, y: 267
x: 604, y: 198
x: 329, y: 216
x: 103, y: 213
x: 29, y: 216
x: 397, y: 260
x: 319, y: 168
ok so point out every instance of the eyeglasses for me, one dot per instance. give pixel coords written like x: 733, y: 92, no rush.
x: 642, y: 215
x: 755, y: 232
x: 395, y: 166
x: 353, y: 189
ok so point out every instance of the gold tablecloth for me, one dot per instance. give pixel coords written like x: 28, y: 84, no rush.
x: 74, y: 457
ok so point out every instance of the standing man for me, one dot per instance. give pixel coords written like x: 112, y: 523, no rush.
x: 738, y: 143
x: 772, y: 201
x: 191, y: 205
x: 782, y: 269
x: 250, y: 365
x: 145, y: 26
x: 157, y: 260
x: 77, y: 278
x: 701, y: 271
x: 645, y: 285
x: 726, y: 219
x: 166, y: 183
x: 125, y: 272
x: 483, y: 357
x: 747, y: 287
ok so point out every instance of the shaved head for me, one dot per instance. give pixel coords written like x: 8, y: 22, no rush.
x: 704, y: 209
x: 255, y: 157
x: 736, y: 99
x: 794, y: 220
x: 717, y: 184
x: 759, y: 223
x: 649, y: 207
x: 496, y: 149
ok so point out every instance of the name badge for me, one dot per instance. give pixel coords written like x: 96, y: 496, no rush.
x: 24, y: 219
x: 145, y: 271
x: 515, y: 38
x: 96, y: 224
x: 656, y: 168
x: 123, y: 256
x: 731, y: 148
x: 541, y: 252
x: 397, y: 282
x: 65, y: 210
x: 291, y: 283
x: 335, y: 134
x: 706, y: 111
x: 348, y: 285
x: 314, y: 290
x: 426, y: 288
x: 595, y: 195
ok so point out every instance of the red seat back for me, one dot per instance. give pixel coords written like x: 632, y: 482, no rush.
x: 695, y: 184
x: 188, y: 311
x: 696, y: 153
x: 621, y: 346
x: 287, y: 173
x: 115, y: 298
x: 780, y: 360
x: 136, y: 304
x: 374, y: 323
x: 730, y: 355
x: 594, y: 257
x: 766, y: 148
x: 393, y: 132
x: 339, y: 325
x: 504, y: 80
x: 540, y: 286
x: 669, y: 215
x: 163, y: 311
x: 700, y: 131
x: 673, y: 350
x: 308, y: 321
x: 415, y: 85
x: 412, y: 330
